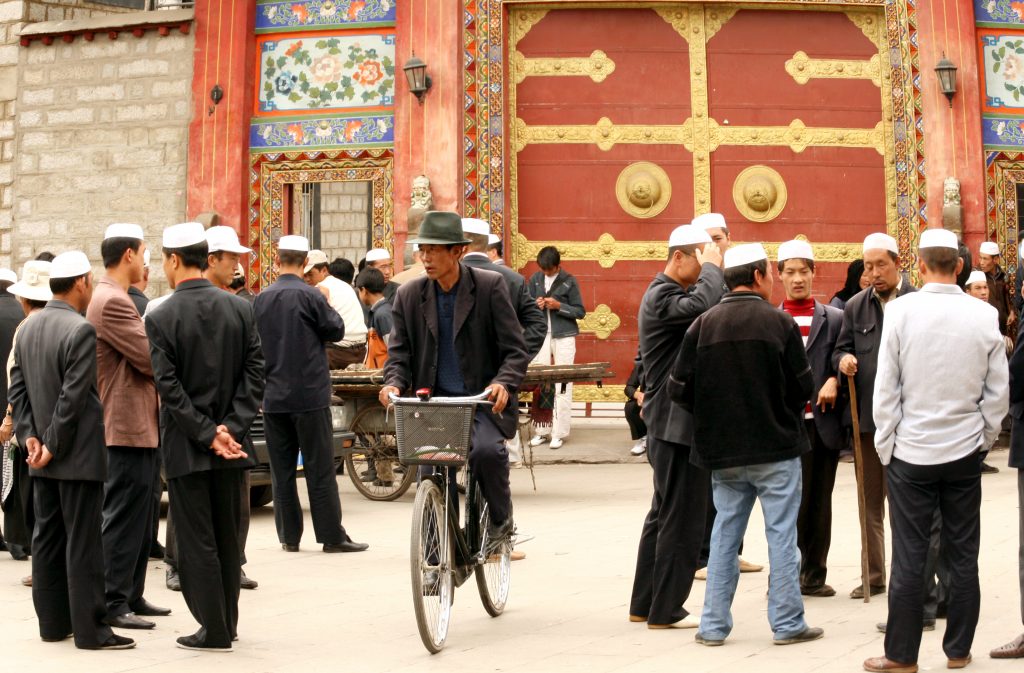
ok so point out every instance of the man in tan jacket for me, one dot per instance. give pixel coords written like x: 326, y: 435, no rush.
x: 131, y: 429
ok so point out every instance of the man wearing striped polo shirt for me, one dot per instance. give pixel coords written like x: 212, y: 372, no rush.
x: 819, y: 326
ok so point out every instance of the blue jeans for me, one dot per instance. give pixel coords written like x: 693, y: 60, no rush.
x: 778, y: 487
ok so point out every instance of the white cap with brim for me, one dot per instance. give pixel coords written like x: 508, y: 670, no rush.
x: 741, y: 255
x: 183, y: 235
x: 8, y: 276
x: 989, y: 248
x: 492, y: 239
x: 377, y: 255
x: 293, y: 243
x: 70, y: 265
x: 937, y: 238
x: 881, y: 242
x: 688, y: 234
x: 124, y: 230
x: 34, y: 283
x: 795, y: 249
x: 710, y: 221
x: 313, y: 258
x: 976, y: 277
x: 472, y: 225
x: 224, y: 239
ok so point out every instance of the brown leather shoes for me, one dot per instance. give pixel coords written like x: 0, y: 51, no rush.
x: 1011, y: 650
x: 637, y: 619
x: 883, y: 665
x: 858, y: 592
x: 960, y: 662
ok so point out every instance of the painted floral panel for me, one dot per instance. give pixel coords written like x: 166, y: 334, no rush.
x: 275, y: 16
x: 1003, y: 132
x: 999, y: 11
x: 1004, y: 71
x: 327, y: 72
x: 374, y: 130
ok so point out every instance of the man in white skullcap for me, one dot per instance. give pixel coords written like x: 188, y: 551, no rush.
x: 495, y: 249
x: 998, y: 287
x: 343, y: 299
x: 670, y: 541
x: 714, y: 224
x: 940, y: 394
x: 751, y: 443
x: 380, y: 259
x: 977, y: 285
x: 856, y: 355
x: 820, y: 326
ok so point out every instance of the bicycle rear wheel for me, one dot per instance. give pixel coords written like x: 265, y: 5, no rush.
x: 430, y: 557
x: 494, y: 576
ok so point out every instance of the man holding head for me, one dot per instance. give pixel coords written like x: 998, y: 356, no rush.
x: 58, y: 418
x: 132, y: 431
x: 670, y: 541
x: 295, y: 322
x: 931, y: 431
x: 210, y: 380
x: 856, y: 354
x: 998, y: 286
x: 751, y: 443
x: 714, y: 224
x: 342, y: 298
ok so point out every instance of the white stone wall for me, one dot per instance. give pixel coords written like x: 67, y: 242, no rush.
x: 344, y: 223
x: 101, y: 136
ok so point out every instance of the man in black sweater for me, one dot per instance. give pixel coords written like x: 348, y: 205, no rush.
x: 743, y: 373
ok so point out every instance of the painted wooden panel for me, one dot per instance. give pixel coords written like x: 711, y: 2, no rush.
x: 1004, y: 12
x: 274, y: 16
x: 335, y: 132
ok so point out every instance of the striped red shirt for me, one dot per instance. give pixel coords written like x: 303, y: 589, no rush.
x: 803, y: 313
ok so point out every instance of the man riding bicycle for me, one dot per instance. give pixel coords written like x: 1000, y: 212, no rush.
x: 456, y: 332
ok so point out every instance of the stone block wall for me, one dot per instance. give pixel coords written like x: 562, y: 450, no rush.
x: 102, y: 136
x: 344, y: 222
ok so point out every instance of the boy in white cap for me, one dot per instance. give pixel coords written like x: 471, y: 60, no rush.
x: 941, y: 393
x: 819, y: 327
x: 752, y: 443
x: 673, y: 530
x: 856, y: 355
x: 977, y: 285
x: 714, y: 224
x: 380, y: 259
x: 58, y: 418
x: 998, y: 287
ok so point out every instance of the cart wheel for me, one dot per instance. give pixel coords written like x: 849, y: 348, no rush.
x: 374, y: 457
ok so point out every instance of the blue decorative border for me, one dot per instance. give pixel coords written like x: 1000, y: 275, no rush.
x: 999, y: 13
x: 1002, y: 132
x: 335, y: 132
x: 277, y: 16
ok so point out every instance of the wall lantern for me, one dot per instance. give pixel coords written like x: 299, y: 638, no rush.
x: 946, y: 72
x: 416, y: 74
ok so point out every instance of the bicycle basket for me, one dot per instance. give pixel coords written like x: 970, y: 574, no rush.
x: 433, y: 433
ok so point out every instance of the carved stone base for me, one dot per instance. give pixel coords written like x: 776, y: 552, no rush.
x: 953, y: 219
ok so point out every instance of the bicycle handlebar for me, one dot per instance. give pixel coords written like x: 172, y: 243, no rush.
x: 479, y: 399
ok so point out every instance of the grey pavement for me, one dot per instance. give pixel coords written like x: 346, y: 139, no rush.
x: 568, y: 606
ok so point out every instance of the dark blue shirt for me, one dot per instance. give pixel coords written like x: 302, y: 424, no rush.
x: 381, y: 319
x: 449, y: 375
x: 294, y: 321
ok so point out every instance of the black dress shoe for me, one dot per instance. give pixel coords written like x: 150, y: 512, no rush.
x: 17, y: 552
x: 347, y: 546
x: 290, y: 547
x: 147, y: 609
x: 194, y: 642
x: 3, y: 545
x: 173, y: 580
x: 129, y: 620
x: 156, y: 551
x: 247, y: 583
x: 989, y: 469
x: 114, y: 642
x: 926, y: 625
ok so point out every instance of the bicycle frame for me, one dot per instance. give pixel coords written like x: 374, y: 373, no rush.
x: 468, y: 541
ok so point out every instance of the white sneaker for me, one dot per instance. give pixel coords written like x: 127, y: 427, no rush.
x: 640, y: 447
x: 555, y: 444
x: 537, y: 440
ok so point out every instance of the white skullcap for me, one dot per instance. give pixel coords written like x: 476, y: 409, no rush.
x: 976, y: 277
x: 183, y: 235
x: 377, y: 254
x: 937, y: 238
x: 989, y: 248
x: 741, y: 255
x: 70, y: 265
x: 8, y: 276
x: 34, y: 283
x: 710, y: 221
x: 224, y: 239
x: 123, y: 230
x: 145, y: 259
x: 881, y: 242
x: 293, y: 243
x: 688, y: 234
x: 492, y: 239
x: 472, y: 225
x: 796, y: 249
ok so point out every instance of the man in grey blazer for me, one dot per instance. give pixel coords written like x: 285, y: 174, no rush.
x: 58, y: 416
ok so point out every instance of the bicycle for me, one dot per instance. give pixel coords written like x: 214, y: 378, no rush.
x: 443, y: 555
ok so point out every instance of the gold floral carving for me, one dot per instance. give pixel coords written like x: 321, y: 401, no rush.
x: 678, y: 17
x: 591, y: 393
x: 605, y: 134
x: 597, y: 66
x: 759, y: 193
x: 871, y: 24
x: 643, y: 189
x: 600, y: 322
x: 803, y: 69
x: 715, y: 18
x: 797, y: 136
x: 522, y: 21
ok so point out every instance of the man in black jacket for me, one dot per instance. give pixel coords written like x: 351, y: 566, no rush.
x: 670, y: 542
x: 856, y: 355
x: 59, y: 419
x: 745, y: 377
x: 210, y: 383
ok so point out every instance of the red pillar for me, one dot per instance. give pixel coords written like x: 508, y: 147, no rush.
x: 218, y: 152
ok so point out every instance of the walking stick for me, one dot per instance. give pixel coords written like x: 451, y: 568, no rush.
x: 862, y: 504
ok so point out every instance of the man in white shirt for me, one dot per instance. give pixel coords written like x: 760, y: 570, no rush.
x: 342, y: 298
x: 941, y: 392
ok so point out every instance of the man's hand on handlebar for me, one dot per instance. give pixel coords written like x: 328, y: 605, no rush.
x: 498, y: 395
x: 385, y: 394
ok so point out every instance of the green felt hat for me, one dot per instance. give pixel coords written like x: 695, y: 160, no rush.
x: 440, y: 228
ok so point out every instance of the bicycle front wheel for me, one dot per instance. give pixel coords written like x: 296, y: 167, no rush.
x: 430, y: 556
x: 494, y: 576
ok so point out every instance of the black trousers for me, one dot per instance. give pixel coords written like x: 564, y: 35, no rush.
x: 814, y: 522
x: 205, y: 508
x: 671, y: 538
x: 915, y: 492
x: 637, y: 427
x: 311, y: 433
x: 127, y: 524
x: 67, y: 561
x: 171, y: 546
x: 157, y: 496
x: 19, y: 517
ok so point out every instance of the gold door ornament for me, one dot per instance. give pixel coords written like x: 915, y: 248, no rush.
x: 597, y: 66
x: 600, y: 322
x: 802, y: 68
x: 643, y: 189
x: 759, y: 193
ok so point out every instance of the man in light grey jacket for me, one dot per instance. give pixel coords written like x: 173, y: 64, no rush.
x: 941, y: 393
